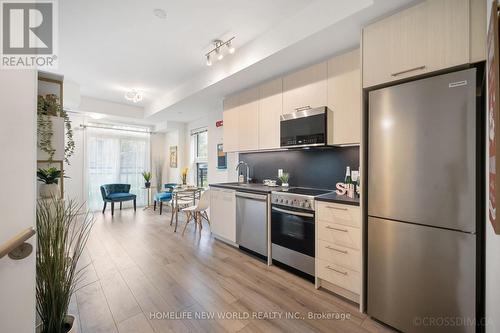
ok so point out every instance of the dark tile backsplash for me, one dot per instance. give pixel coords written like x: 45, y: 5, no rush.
x: 319, y: 168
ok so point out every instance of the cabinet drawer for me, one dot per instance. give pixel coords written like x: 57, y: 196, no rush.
x: 339, y: 234
x: 339, y: 255
x: 340, y: 276
x: 337, y: 213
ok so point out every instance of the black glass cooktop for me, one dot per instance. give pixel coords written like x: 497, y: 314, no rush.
x: 306, y: 191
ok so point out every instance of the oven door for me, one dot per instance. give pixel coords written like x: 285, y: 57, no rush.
x: 293, y: 229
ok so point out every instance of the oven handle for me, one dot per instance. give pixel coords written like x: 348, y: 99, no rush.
x: 292, y: 212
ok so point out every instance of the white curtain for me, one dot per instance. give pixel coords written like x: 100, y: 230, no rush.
x: 116, y: 156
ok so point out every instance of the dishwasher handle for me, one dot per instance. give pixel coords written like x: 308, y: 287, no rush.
x: 260, y: 197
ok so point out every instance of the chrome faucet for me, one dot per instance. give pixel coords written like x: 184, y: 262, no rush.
x: 248, y: 170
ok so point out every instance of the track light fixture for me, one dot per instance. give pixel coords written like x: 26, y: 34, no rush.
x: 218, y: 50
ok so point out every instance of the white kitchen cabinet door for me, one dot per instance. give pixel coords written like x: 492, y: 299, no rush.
x: 270, y: 109
x: 305, y: 88
x: 447, y: 34
x: 344, y: 97
x: 223, y: 213
x: 248, y: 118
x: 430, y: 36
x: 230, y: 126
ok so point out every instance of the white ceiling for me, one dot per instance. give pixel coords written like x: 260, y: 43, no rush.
x: 111, y: 46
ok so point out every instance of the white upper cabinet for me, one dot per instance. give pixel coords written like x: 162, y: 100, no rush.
x: 248, y: 127
x: 241, y: 121
x: 429, y: 36
x: 305, y: 88
x: 270, y: 109
x: 344, y: 97
x: 230, y: 126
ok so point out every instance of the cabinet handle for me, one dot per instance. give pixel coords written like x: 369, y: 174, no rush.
x: 336, y: 270
x: 338, y: 229
x: 337, y: 208
x: 408, y: 70
x: 334, y: 249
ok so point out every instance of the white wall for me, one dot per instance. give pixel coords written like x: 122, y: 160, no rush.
x: 215, y: 136
x: 492, y: 262
x: 17, y: 199
x: 74, y: 186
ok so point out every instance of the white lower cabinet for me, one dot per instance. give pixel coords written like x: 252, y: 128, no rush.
x: 339, y: 249
x: 223, y: 214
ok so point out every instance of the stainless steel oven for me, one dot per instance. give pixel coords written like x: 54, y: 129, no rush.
x: 307, y: 128
x: 292, y: 228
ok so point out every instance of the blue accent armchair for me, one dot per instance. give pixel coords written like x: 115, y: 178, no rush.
x: 116, y: 193
x: 164, y: 196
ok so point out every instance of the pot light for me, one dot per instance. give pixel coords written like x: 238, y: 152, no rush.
x: 219, y: 48
x: 160, y: 13
x: 134, y: 96
x: 96, y: 116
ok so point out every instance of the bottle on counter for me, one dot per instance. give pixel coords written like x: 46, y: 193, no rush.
x: 349, y: 184
x: 241, y: 178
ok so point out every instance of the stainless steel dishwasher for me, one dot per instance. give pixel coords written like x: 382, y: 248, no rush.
x: 251, y: 222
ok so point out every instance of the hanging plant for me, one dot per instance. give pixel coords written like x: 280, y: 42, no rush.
x: 49, y: 106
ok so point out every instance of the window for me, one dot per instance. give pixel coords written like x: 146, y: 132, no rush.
x: 116, y: 156
x: 201, y: 174
x: 200, y: 144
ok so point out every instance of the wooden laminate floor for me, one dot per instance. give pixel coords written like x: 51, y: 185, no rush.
x: 142, y: 277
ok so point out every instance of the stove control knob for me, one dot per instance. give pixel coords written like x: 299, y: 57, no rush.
x: 307, y: 204
x: 301, y: 204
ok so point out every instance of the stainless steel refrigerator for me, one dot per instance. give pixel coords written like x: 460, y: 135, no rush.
x: 422, y: 192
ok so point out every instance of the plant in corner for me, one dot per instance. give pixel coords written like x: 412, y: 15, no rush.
x: 48, y: 106
x: 62, y: 234
x: 284, y: 179
x: 147, y: 178
x: 50, y: 180
x: 184, y: 174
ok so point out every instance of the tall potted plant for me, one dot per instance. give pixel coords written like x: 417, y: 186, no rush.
x: 61, y: 238
x: 50, y: 180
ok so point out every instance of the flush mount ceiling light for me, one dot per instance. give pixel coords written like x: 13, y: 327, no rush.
x: 219, y: 49
x: 134, y: 96
x: 160, y: 13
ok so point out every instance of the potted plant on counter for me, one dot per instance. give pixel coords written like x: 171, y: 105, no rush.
x: 147, y: 178
x: 62, y: 234
x: 284, y: 179
x: 50, y: 182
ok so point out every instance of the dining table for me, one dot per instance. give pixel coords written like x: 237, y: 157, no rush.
x: 183, y: 196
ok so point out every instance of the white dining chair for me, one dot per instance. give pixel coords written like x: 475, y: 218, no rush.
x: 198, y: 212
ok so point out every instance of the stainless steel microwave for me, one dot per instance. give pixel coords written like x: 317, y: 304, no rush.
x: 307, y: 128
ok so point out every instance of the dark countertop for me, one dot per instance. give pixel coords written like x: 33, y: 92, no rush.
x: 341, y: 199
x: 252, y: 187
x: 261, y: 188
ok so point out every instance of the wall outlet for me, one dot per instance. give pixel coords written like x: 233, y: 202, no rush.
x: 280, y: 172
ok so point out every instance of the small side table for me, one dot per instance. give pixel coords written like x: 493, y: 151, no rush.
x: 148, y: 205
